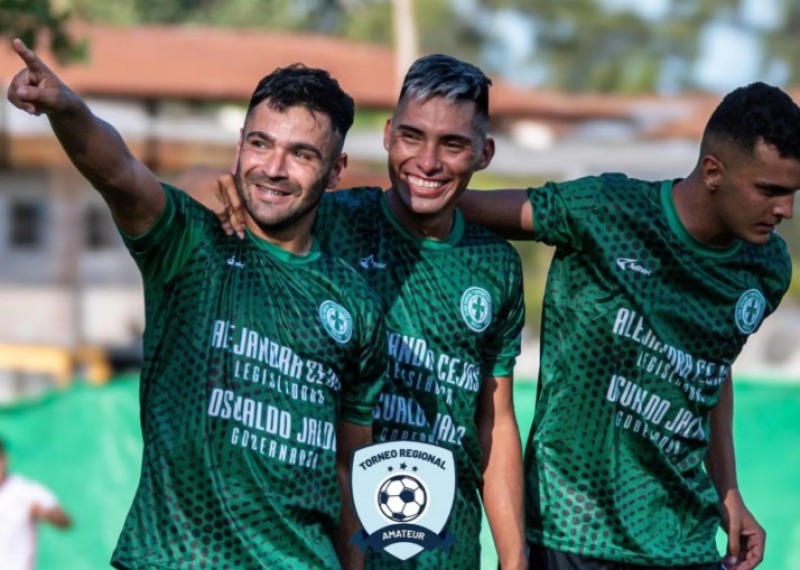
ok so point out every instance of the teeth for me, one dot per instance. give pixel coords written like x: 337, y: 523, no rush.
x: 424, y: 183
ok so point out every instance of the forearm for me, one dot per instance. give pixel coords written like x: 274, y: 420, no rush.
x: 721, y: 459
x: 506, y: 212
x: 502, y: 485
x: 93, y: 146
x: 58, y: 517
x: 503, y: 496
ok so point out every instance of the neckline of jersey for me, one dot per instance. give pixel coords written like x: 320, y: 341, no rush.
x: 449, y: 242
x: 283, y: 255
x: 680, y: 231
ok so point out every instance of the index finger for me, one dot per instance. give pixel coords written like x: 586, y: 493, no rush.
x: 32, y: 61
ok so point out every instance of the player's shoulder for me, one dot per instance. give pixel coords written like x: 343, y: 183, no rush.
x: 773, y: 256
x: 623, y: 185
x: 187, y: 207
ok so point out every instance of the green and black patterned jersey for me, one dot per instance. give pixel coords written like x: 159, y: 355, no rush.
x: 252, y: 356
x: 454, y: 312
x: 640, y: 327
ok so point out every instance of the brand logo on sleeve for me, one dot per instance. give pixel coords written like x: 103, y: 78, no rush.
x: 337, y: 321
x: 476, y: 308
x: 403, y: 493
x: 750, y: 310
x: 627, y: 264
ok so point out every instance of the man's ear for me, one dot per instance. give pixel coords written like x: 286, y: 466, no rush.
x: 487, y: 154
x: 387, y: 134
x: 335, y: 175
x: 713, y: 170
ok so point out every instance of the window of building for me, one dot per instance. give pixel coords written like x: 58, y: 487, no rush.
x: 27, y: 224
x: 100, y: 230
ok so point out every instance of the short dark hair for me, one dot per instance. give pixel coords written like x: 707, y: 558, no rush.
x: 309, y: 87
x: 757, y: 112
x: 2, y: 447
x: 444, y: 76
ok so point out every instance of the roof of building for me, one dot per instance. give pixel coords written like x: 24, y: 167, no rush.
x: 207, y: 63
x: 224, y: 64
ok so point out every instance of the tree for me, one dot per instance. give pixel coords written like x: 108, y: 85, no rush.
x: 27, y: 19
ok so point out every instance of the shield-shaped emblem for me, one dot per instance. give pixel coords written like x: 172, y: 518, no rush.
x: 403, y: 493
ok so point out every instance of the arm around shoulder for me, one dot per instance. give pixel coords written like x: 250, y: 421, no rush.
x: 506, y: 212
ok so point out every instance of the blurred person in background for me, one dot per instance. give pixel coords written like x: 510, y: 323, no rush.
x: 263, y: 357
x: 653, y: 291
x: 452, y: 293
x: 23, y: 505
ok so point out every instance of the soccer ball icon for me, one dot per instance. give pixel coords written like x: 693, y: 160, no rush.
x: 402, y: 498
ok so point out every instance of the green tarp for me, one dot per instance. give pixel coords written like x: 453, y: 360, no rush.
x: 84, y: 443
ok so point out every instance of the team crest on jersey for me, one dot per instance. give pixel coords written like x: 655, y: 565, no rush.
x: 476, y: 308
x: 750, y: 310
x: 337, y: 321
x: 403, y: 493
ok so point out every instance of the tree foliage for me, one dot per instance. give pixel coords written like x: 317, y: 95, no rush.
x: 33, y: 20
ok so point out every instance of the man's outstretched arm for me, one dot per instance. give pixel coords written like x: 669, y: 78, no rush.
x: 131, y: 190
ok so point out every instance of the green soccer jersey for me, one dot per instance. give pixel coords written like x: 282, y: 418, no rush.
x: 640, y: 327
x: 454, y: 312
x: 252, y: 356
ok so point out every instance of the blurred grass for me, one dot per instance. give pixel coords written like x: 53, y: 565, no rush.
x: 85, y: 444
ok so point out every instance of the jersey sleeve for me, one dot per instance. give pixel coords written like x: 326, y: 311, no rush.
x: 561, y: 210
x: 360, y: 393
x: 162, y: 251
x: 503, y: 346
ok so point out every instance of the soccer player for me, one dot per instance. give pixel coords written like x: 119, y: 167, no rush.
x: 263, y: 356
x: 653, y: 291
x: 452, y: 294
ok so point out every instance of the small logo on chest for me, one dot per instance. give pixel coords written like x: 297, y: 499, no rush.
x: 476, y: 308
x: 337, y: 321
x: 750, y: 310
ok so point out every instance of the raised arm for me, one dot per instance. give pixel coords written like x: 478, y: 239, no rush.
x: 506, y: 212
x: 502, y: 470
x: 131, y: 190
x: 746, y: 538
